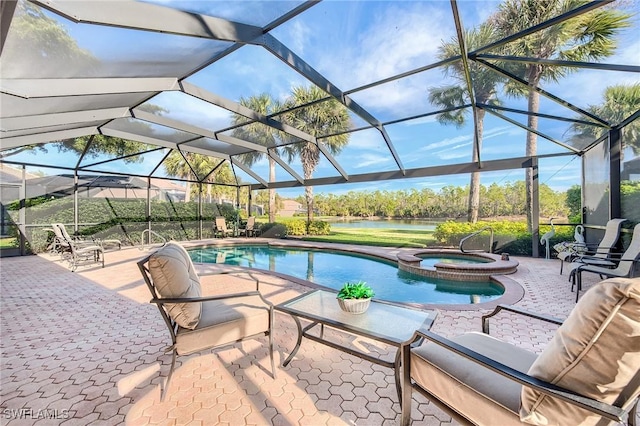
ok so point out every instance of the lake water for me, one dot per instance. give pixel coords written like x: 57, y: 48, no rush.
x: 415, y: 224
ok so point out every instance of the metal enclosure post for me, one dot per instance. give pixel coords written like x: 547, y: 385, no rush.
x: 22, y: 215
x: 75, y: 201
x: 615, y: 151
x: 199, y: 210
x: 237, y: 209
x: 148, y: 209
x: 249, y: 201
x: 535, y: 213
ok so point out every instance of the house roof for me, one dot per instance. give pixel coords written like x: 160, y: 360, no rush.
x: 172, y: 75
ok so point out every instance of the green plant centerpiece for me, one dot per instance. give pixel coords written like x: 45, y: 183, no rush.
x: 355, y: 297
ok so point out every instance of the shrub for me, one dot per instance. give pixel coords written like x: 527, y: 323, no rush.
x: 273, y: 230
x: 508, y: 237
x: 299, y: 227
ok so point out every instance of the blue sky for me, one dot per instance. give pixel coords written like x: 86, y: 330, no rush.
x: 353, y: 43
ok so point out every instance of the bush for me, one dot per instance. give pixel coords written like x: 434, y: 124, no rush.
x: 508, y: 237
x: 273, y: 230
x: 299, y: 227
x: 319, y: 227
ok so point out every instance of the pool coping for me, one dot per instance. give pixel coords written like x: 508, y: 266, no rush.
x: 513, y: 291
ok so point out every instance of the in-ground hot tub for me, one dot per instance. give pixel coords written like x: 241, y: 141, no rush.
x: 455, y: 265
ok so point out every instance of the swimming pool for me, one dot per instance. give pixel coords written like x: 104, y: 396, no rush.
x: 332, y: 269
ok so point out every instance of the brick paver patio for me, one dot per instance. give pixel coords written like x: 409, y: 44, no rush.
x: 87, y: 348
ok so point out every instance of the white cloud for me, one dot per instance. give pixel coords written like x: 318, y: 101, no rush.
x: 448, y: 155
x: 447, y: 142
x: 366, y: 160
x: 299, y: 36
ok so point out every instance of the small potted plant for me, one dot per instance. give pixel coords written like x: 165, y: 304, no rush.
x: 355, y: 297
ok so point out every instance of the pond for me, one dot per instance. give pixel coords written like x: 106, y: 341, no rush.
x: 414, y: 224
x: 332, y: 269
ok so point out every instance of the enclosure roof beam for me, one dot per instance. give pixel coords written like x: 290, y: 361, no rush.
x: 451, y: 169
x: 33, y: 122
x: 250, y: 172
x: 589, y: 6
x: 7, y: 9
x: 285, y: 166
x: 561, y: 63
x: 151, y: 17
x: 160, y: 142
x: 178, y: 125
x: 467, y: 78
x: 18, y: 141
x: 283, y: 53
x: 544, y: 92
x: 242, y: 110
x: 535, y: 131
x: 57, y: 87
x: 539, y: 114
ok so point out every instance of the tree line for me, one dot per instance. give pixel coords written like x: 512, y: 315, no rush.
x: 450, y: 202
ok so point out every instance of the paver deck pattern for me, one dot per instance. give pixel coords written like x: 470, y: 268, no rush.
x: 87, y: 348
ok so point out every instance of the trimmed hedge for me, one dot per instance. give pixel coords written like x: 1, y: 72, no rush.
x: 122, y: 219
x: 508, y: 237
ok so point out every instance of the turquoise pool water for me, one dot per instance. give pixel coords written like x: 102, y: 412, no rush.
x: 431, y: 260
x: 332, y: 269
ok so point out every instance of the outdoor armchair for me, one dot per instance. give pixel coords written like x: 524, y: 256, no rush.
x: 598, y: 255
x: 588, y: 373
x: 627, y: 264
x: 196, y: 322
x: 220, y: 228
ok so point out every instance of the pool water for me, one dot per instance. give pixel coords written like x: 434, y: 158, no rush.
x: 428, y: 260
x: 332, y: 269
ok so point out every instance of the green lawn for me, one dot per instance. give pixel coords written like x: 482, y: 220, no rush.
x: 8, y: 243
x: 377, y: 237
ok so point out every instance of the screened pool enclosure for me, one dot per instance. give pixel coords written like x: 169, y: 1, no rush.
x: 161, y: 114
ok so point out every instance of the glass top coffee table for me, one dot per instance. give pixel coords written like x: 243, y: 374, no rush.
x: 383, y: 322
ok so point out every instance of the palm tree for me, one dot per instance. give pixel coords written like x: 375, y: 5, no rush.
x: 260, y: 134
x: 620, y: 102
x: 175, y: 165
x: 328, y: 117
x: 588, y: 37
x: 484, y: 87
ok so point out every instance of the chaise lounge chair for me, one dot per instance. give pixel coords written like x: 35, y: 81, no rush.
x: 588, y: 374
x: 603, y: 250
x: 77, y: 252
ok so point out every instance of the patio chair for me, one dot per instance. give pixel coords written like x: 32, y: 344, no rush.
x: 603, y: 250
x: 249, y: 229
x: 588, y: 374
x: 77, y: 252
x: 195, y: 322
x: 220, y: 228
x: 626, y: 268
